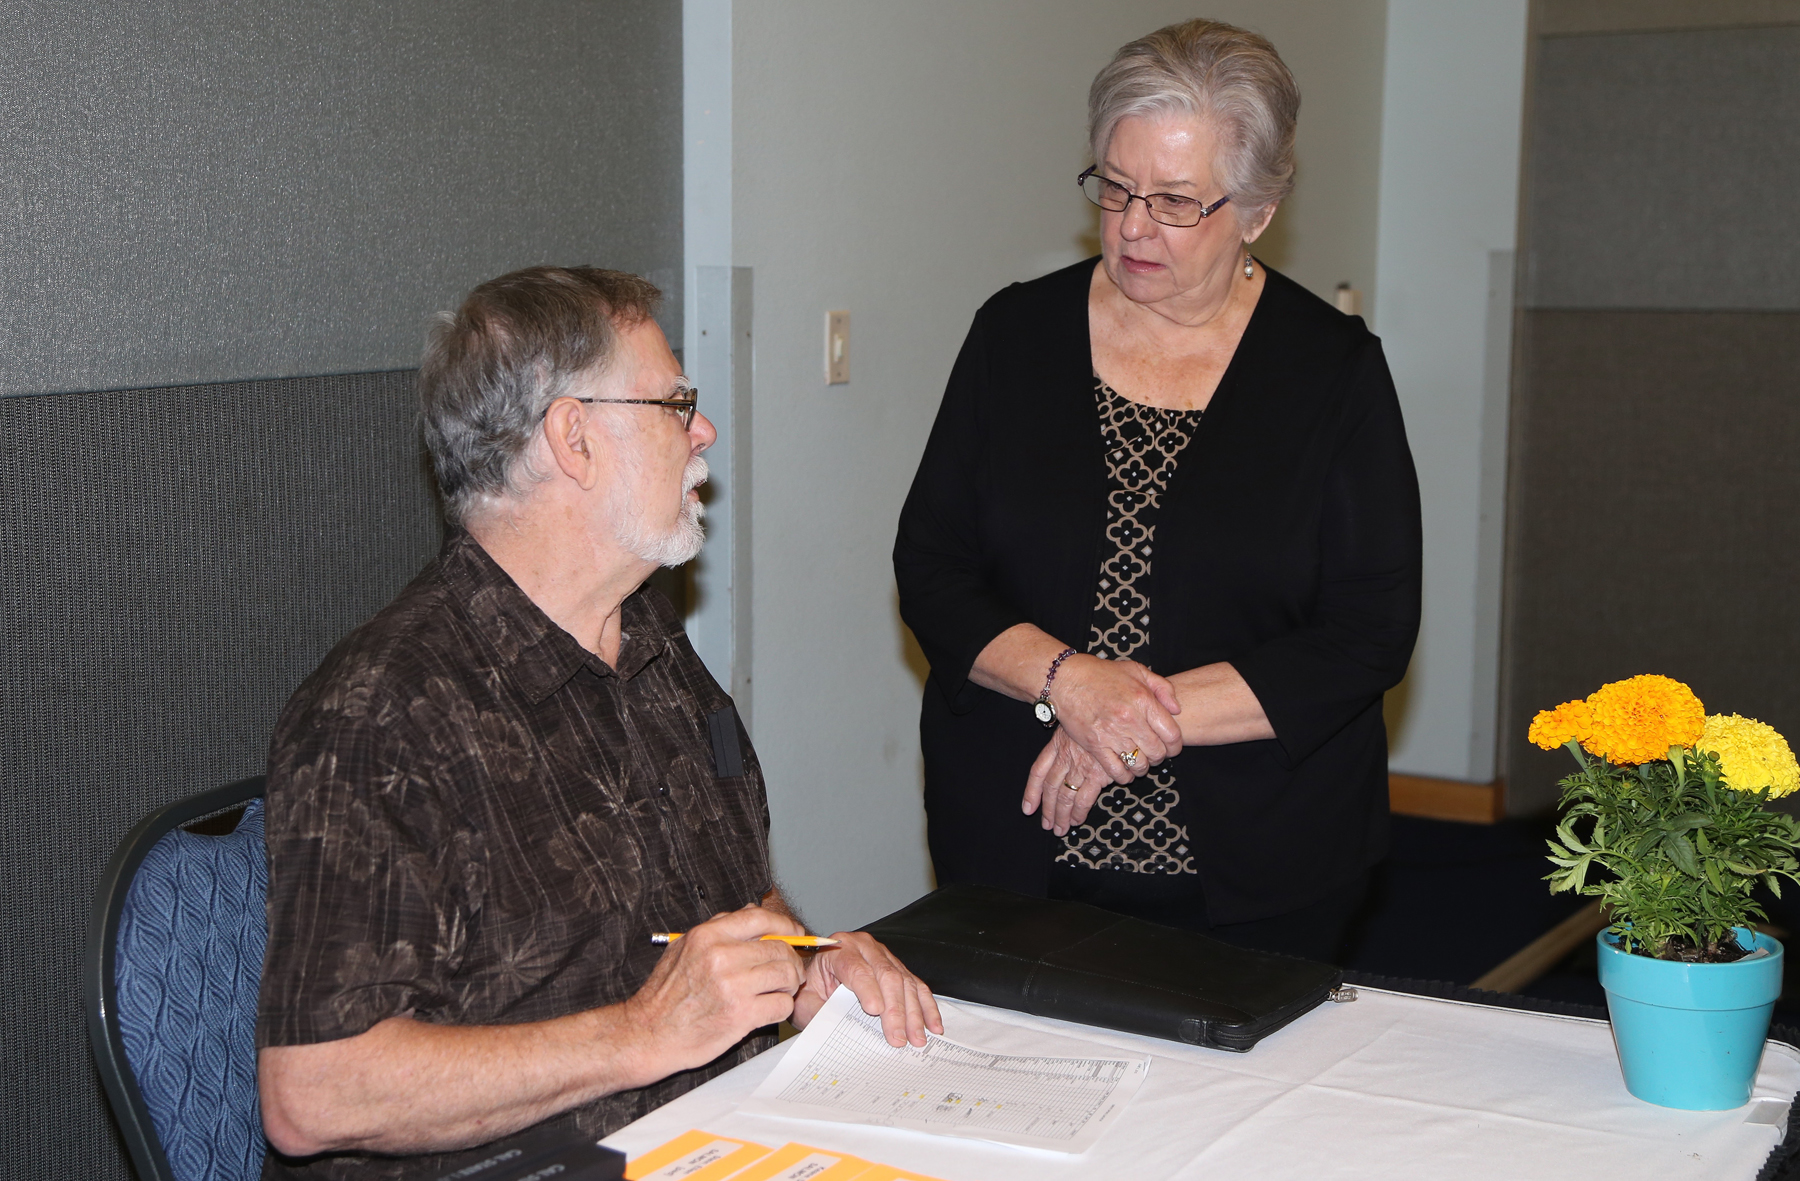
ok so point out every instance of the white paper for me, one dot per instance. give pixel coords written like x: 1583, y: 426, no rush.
x: 842, y: 1069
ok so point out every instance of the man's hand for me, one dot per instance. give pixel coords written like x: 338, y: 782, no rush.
x: 882, y: 985
x: 713, y: 986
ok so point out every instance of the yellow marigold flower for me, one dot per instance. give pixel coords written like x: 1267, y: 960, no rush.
x: 1638, y: 720
x: 1752, y: 754
x: 1554, y: 727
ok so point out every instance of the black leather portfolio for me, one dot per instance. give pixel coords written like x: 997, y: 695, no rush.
x: 1079, y: 963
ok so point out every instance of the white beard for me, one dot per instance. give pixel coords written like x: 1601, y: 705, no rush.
x: 682, y: 542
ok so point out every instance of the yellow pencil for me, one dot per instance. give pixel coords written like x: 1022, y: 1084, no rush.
x: 790, y: 940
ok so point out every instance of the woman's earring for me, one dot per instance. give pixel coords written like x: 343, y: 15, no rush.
x: 1249, y: 271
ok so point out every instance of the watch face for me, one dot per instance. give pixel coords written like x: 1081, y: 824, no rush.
x: 1046, y: 713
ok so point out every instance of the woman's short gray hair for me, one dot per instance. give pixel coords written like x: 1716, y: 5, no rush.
x: 493, y: 367
x: 1226, y: 75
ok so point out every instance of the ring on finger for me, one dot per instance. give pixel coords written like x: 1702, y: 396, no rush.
x: 1071, y: 786
x: 1131, y: 759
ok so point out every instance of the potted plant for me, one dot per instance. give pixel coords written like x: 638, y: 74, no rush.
x: 1665, y: 821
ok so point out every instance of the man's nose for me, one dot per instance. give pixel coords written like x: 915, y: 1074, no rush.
x: 703, y: 433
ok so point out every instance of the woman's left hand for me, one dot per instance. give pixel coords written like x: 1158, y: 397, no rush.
x: 1065, y: 780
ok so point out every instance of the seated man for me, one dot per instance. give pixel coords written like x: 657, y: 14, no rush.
x: 486, y: 799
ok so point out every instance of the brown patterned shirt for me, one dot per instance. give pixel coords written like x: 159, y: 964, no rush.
x: 473, y: 818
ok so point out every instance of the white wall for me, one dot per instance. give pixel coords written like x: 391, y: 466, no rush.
x: 713, y: 621
x: 904, y: 161
x: 1450, y: 139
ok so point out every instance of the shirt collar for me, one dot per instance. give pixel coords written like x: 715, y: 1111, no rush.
x: 537, y: 654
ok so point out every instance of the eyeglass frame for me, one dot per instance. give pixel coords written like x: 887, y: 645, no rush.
x: 1206, y: 211
x: 687, y: 407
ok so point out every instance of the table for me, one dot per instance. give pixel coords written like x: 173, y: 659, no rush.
x: 1388, y: 1086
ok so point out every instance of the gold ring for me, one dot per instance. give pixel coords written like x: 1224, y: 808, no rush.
x: 1071, y: 787
x: 1131, y: 760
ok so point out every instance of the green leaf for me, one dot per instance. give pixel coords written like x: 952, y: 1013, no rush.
x: 1681, y: 852
x: 1712, y: 874
x: 1568, y: 838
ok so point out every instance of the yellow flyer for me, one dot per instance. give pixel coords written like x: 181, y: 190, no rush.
x: 695, y: 1156
x: 802, y: 1162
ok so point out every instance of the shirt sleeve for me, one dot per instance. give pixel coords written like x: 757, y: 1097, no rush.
x: 366, y: 906
x: 1355, y: 646
x: 944, y: 597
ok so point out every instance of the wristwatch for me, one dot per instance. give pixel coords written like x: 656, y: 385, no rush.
x: 1043, y: 709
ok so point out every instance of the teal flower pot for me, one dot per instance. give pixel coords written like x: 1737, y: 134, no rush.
x: 1690, y: 1035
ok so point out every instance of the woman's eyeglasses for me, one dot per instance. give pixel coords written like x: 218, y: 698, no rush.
x: 1171, y: 209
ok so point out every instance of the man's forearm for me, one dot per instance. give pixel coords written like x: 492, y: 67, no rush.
x: 408, y: 1086
x: 774, y: 900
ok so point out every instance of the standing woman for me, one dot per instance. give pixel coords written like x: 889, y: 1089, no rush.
x: 1169, y: 458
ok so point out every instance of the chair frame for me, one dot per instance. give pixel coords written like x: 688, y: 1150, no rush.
x: 99, y: 999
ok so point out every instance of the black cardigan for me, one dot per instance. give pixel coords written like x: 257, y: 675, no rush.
x: 1288, y: 543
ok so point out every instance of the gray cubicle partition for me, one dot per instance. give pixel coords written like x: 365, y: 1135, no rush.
x: 1654, y: 512
x: 229, y: 225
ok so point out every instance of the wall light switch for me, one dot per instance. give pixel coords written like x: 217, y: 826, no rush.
x: 837, y: 348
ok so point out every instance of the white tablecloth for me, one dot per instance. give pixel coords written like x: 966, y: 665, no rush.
x: 1389, y: 1086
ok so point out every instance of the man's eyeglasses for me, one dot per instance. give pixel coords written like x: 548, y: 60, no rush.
x: 1171, y: 209
x: 684, y: 407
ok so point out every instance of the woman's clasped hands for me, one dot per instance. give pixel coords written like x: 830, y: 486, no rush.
x: 1116, y: 720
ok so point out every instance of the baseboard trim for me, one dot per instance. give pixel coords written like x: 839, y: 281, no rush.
x: 1447, y: 799
x: 1524, y: 966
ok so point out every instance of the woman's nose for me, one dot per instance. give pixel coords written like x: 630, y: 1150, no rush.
x: 1136, y: 221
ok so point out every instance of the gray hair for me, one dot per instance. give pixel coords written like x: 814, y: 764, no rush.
x: 492, y: 368
x: 1229, y: 76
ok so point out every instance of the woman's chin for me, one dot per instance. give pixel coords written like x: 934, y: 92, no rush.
x: 1145, y: 287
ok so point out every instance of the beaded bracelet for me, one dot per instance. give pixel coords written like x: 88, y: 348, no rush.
x: 1042, y: 709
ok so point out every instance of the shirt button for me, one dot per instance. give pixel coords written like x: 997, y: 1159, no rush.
x: 700, y: 890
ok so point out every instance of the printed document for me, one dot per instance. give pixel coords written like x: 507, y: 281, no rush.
x: 842, y: 1069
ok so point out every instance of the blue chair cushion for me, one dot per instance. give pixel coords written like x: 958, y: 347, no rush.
x: 189, y: 960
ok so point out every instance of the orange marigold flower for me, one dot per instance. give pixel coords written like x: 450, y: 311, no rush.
x: 1638, y: 720
x: 1554, y: 727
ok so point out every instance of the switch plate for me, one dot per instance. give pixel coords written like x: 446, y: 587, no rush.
x: 837, y: 348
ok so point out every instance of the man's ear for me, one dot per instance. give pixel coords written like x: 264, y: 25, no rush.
x: 572, y: 435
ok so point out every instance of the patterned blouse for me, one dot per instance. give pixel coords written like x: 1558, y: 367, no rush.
x: 1134, y: 827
